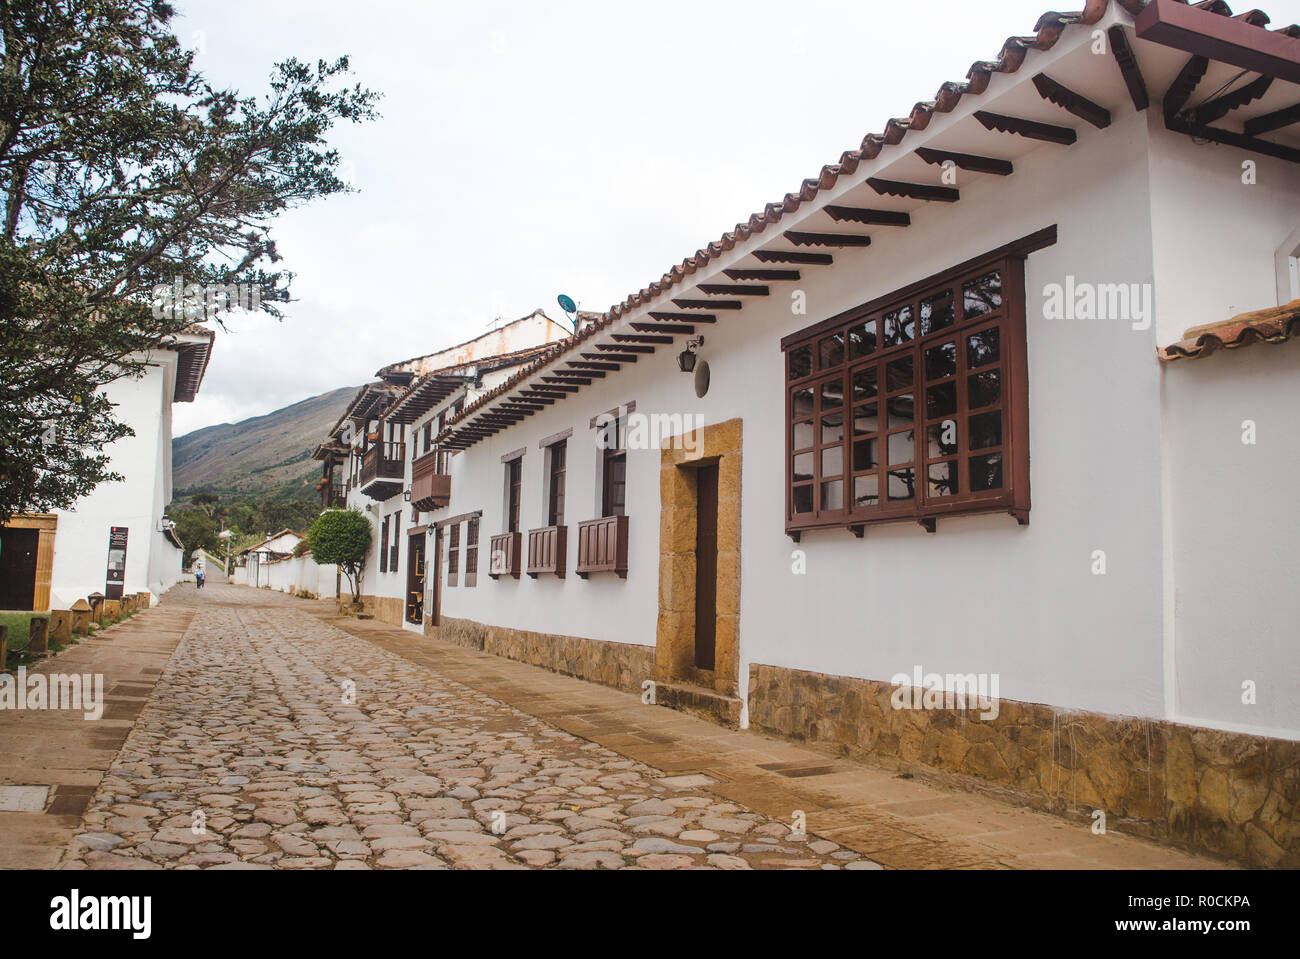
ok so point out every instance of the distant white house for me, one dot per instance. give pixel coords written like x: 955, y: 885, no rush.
x: 252, y: 566
x: 117, y: 539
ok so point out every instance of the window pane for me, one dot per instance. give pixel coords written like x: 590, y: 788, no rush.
x: 986, y: 472
x: 832, y: 394
x: 833, y: 461
x: 986, y: 430
x: 985, y: 388
x: 900, y: 326
x: 941, y: 361
x: 803, y: 496
x: 862, y: 338
x: 803, y: 466
x: 983, y: 348
x: 943, y: 479
x: 866, y: 490
x: 899, y: 373
x: 864, y: 384
x: 937, y: 312
x: 803, y: 435
x: 832, y: 351
x: 902, y: 484
x: 833, y: 495
x: 902, y: 447
x: 941, y: 439
x: 800, y: 362
x: 902, y: 410
x: 803, y: 403
x: 941, y: 400
x: 865, y: 419
x: 832, y: 428
x: 982, y: 295
x: 866, y: 455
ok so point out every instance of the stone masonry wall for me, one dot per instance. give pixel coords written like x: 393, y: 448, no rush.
x: 1227, y: 793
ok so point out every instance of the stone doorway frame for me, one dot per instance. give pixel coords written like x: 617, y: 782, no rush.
x: 719, y: 444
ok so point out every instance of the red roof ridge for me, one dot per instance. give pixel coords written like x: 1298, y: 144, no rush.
x: 1275, y: 324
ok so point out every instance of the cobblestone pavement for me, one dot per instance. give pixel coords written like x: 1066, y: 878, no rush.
x: 274, y: 740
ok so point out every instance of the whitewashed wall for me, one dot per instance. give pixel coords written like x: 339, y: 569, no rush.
x: 302, y: 572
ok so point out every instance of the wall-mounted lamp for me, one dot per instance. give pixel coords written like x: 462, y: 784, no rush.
x: 406, y: 495
x: 686, y: 358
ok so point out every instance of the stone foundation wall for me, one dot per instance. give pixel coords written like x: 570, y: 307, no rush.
x: 621, y: 665
x: 1227, y: 793
x: 386, y: 609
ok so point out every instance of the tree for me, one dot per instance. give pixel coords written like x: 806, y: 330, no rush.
x: 206, y: 502
x: 124, y: 177
x: 342, y: 536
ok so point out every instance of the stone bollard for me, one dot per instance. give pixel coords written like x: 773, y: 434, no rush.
x: 60, y: 626
x: 97, y: 611
x: 81, y: 617
x: 145, y: 600
x: 38, y: 643
x: 112, y: 611
x: 128, y: 604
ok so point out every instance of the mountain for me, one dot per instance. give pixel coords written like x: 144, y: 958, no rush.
x: 263, y: 457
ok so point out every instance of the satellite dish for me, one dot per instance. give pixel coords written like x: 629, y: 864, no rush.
x: 567, y: 304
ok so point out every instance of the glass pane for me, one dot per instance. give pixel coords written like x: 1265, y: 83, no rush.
x: 900, y: 326
x: 986, y: 472
x: 800, y: 362
x: 803, y: 435
x: 985, y: 388
x: 862, y: 338
x: 866, y: 455
x: 865, y: 419
x: 902, y: 410
x: 982, y: 295
x: 986, y: 430
x: 902, y: 484
x: 832, y: 394
x: 941, y: 439
x: 832, y: 351
x: 803, y: 499
x: 983, y: 348
x: 833, y: 461
x: 833, y: 495
x: 866, y: 490
x: 803, y: 466
x: 899, y: 373
x: 941, y: 361
x: 802, y: 404
x: 941, y: 400
x: 833, y: 428
x: 943, y: 479
x: 902, y: 447
x: 937, y: 312
x: 864, y: 384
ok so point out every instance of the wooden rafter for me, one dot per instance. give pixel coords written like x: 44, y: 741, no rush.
x: 708, y: 304
x: 733, y: 289
x: 624, y: 348
x: 966, y: 161
x: 914, y: 191
x: 1029, y: 129
x: 1222, y: 106
x: 1128, y: 67
x: 676, y: 329
x: 1180, y: 91
x: 799, y: 238
x: 853, y: 214
x: 1273, y: 121
x: 1076, y: 103
x: 794, y: 256
x: 689, y: 317
x: 760, y: 275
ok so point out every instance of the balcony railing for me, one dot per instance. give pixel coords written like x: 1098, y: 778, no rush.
x: 602, y: 546
x: 429, y: 489
x: 504, y: 558
x: 382, y: 470
x: 546, y: 549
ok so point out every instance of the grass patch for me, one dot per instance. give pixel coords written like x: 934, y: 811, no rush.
x: 19, y: 629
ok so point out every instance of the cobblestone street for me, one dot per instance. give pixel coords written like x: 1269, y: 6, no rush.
x: 274, y: 740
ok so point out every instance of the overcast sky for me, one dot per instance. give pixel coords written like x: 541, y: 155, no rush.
x: 530, y: 149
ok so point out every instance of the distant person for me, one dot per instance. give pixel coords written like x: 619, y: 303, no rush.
x: 199, y: 576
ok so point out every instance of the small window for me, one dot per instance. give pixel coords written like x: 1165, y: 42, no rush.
x: 613, y: 469
x: 514, y: 492
x: 471, y: 552
x: 453, y: 554
x: 394, y: 559
x: 556, y: 455
x: 383, y: 546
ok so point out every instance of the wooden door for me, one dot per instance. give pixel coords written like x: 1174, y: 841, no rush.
x: 415, y: 580
x: 18, y: 567
x: 706, y: 566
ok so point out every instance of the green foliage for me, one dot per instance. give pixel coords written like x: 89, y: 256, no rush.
x: 124, y: 171
x: 199, y: 523
x: 342, y: 536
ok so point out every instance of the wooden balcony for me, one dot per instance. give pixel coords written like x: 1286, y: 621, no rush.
x: 602, y: 546
x: 382, y: 470
x: 546, y: 550
x: 430, y: 489
x: 503, y: 560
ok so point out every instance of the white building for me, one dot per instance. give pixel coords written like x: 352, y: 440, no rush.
x: 999, y: 292
x: 115, y: 540
x: 252, y: 567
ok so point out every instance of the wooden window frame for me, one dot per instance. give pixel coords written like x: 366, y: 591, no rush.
x: 383, y: 546
x: 395, y: 546
x: 610, y: 455
x: 453, y: 554
x: 804, y: 369
x: 514, y: 491
x: 471, y: 551
x: 556, y: 478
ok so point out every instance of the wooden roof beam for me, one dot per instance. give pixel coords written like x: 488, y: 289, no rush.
x: 966, y: 161
x: 676, y: 329
x: 1029, y: 129
x: 914, y: 191
x: 728, y: 289
x: 853, y: 214
x: 689, y: 317
x: 827, y: 239
x: 794, y: 256
x: 1222, y: 106
x: 1129, y: 68
x: 762, y: 275
x: 623, y: 348
x: 708, y: 304
x: 1076, y: 103
x: 1273, y: 121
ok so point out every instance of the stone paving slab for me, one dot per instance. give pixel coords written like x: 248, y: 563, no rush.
x: 276, y: 740
x: 901, y: 822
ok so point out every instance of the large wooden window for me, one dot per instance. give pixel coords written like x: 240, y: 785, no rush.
x: 453, y: 554
x: 556, y: 471
x: 471, y: 552
x: 394, y: 554
x: 383, y: 546
x: 613, y: 467
x: 514, y: 492
x: 914, y: 406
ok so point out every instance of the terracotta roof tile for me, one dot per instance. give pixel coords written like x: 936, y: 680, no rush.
x: 1274, y: 325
